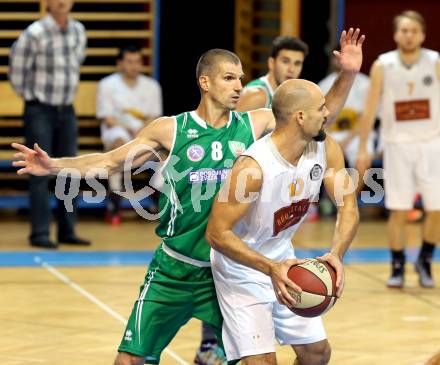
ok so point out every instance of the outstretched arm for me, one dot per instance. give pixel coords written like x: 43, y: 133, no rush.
x: 232, y: 203
x: 342, y: 191
x: 155, y: 136
x: 350, y: 59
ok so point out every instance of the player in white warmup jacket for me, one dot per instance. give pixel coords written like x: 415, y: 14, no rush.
x: 254, y: 217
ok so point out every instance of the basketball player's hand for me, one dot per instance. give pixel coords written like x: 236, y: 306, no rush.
x: 350, y: 55
x: 35, y: 162
x: 336, y: 263
x: 282, y: 285
x: 363, y: 160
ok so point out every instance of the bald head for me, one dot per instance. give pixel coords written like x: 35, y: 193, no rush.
x: 292, y: 96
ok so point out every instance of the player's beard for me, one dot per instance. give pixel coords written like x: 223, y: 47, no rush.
x: 320, y: 136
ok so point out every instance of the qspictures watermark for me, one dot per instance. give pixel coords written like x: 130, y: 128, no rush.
x: 204, y: 184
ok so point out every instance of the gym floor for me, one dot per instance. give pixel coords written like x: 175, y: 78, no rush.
x: 70, y: 306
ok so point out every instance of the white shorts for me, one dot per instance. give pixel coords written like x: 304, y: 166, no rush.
x: 410, y: 169
x: 251, y: 326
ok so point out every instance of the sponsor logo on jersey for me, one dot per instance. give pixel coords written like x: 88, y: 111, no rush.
x: 316, y: 172
x: 208, y: 175
x: 128, y: 335
x: 192, y: 133
x: 427, y: 80
x: 195, y: 152
x: 237, y: 148
x: 288, y: 216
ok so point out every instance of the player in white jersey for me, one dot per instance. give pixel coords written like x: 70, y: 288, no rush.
x: 252, y: 222
x: 407, y: 81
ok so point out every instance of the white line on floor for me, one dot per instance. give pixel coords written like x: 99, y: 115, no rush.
x: 95, y: 300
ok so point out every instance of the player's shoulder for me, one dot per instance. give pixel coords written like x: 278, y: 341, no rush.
x: 255, y: 91
x: 430, y: 53
x: 332, y: 148
x: 164, y: 122
x: 249, y: 164
x: 163, y: 126
x: 386, y: 58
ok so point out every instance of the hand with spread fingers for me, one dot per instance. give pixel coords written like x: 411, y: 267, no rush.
x: 282, y: 285
x: 350, y: 55
x: 32, y: 161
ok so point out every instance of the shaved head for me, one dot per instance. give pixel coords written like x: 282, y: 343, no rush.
x: 292, y: 96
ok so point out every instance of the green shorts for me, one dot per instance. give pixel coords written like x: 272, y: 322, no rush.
x: 172, y: 294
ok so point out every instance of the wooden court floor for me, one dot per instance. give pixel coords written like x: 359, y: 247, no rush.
x: 75, y: 315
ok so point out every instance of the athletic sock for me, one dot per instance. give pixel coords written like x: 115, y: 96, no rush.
x: 425, y: 255
x: 397, y: 262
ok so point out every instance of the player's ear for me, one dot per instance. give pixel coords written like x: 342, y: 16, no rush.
x: 204, y: 82
x: 299, y: 117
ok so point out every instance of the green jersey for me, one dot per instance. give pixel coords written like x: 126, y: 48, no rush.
x: 199, y: 161
x: 263, y: 83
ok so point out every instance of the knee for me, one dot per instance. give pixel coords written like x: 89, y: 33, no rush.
x: 315, y: 354
x: 124, y: 358
x: 325, y: 354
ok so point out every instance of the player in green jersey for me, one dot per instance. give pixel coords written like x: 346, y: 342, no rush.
x: 201, y: 146
x: 285, y: 62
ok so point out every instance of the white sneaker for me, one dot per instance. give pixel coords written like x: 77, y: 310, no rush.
x: 425, y: 277
x: 395, y: 282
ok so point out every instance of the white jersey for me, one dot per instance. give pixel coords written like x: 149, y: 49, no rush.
x: 274, y: 217
x: 410, y: 99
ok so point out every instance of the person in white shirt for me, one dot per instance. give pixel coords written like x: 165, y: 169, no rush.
x: 126, y: 101
x: 407, y: 82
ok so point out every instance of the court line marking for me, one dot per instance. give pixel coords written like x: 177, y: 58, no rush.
x: 95, y: 300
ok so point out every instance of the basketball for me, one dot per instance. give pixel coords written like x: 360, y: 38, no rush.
x: 318, y: 283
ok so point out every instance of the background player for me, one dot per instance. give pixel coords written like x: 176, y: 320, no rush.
x: 406, y: 81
